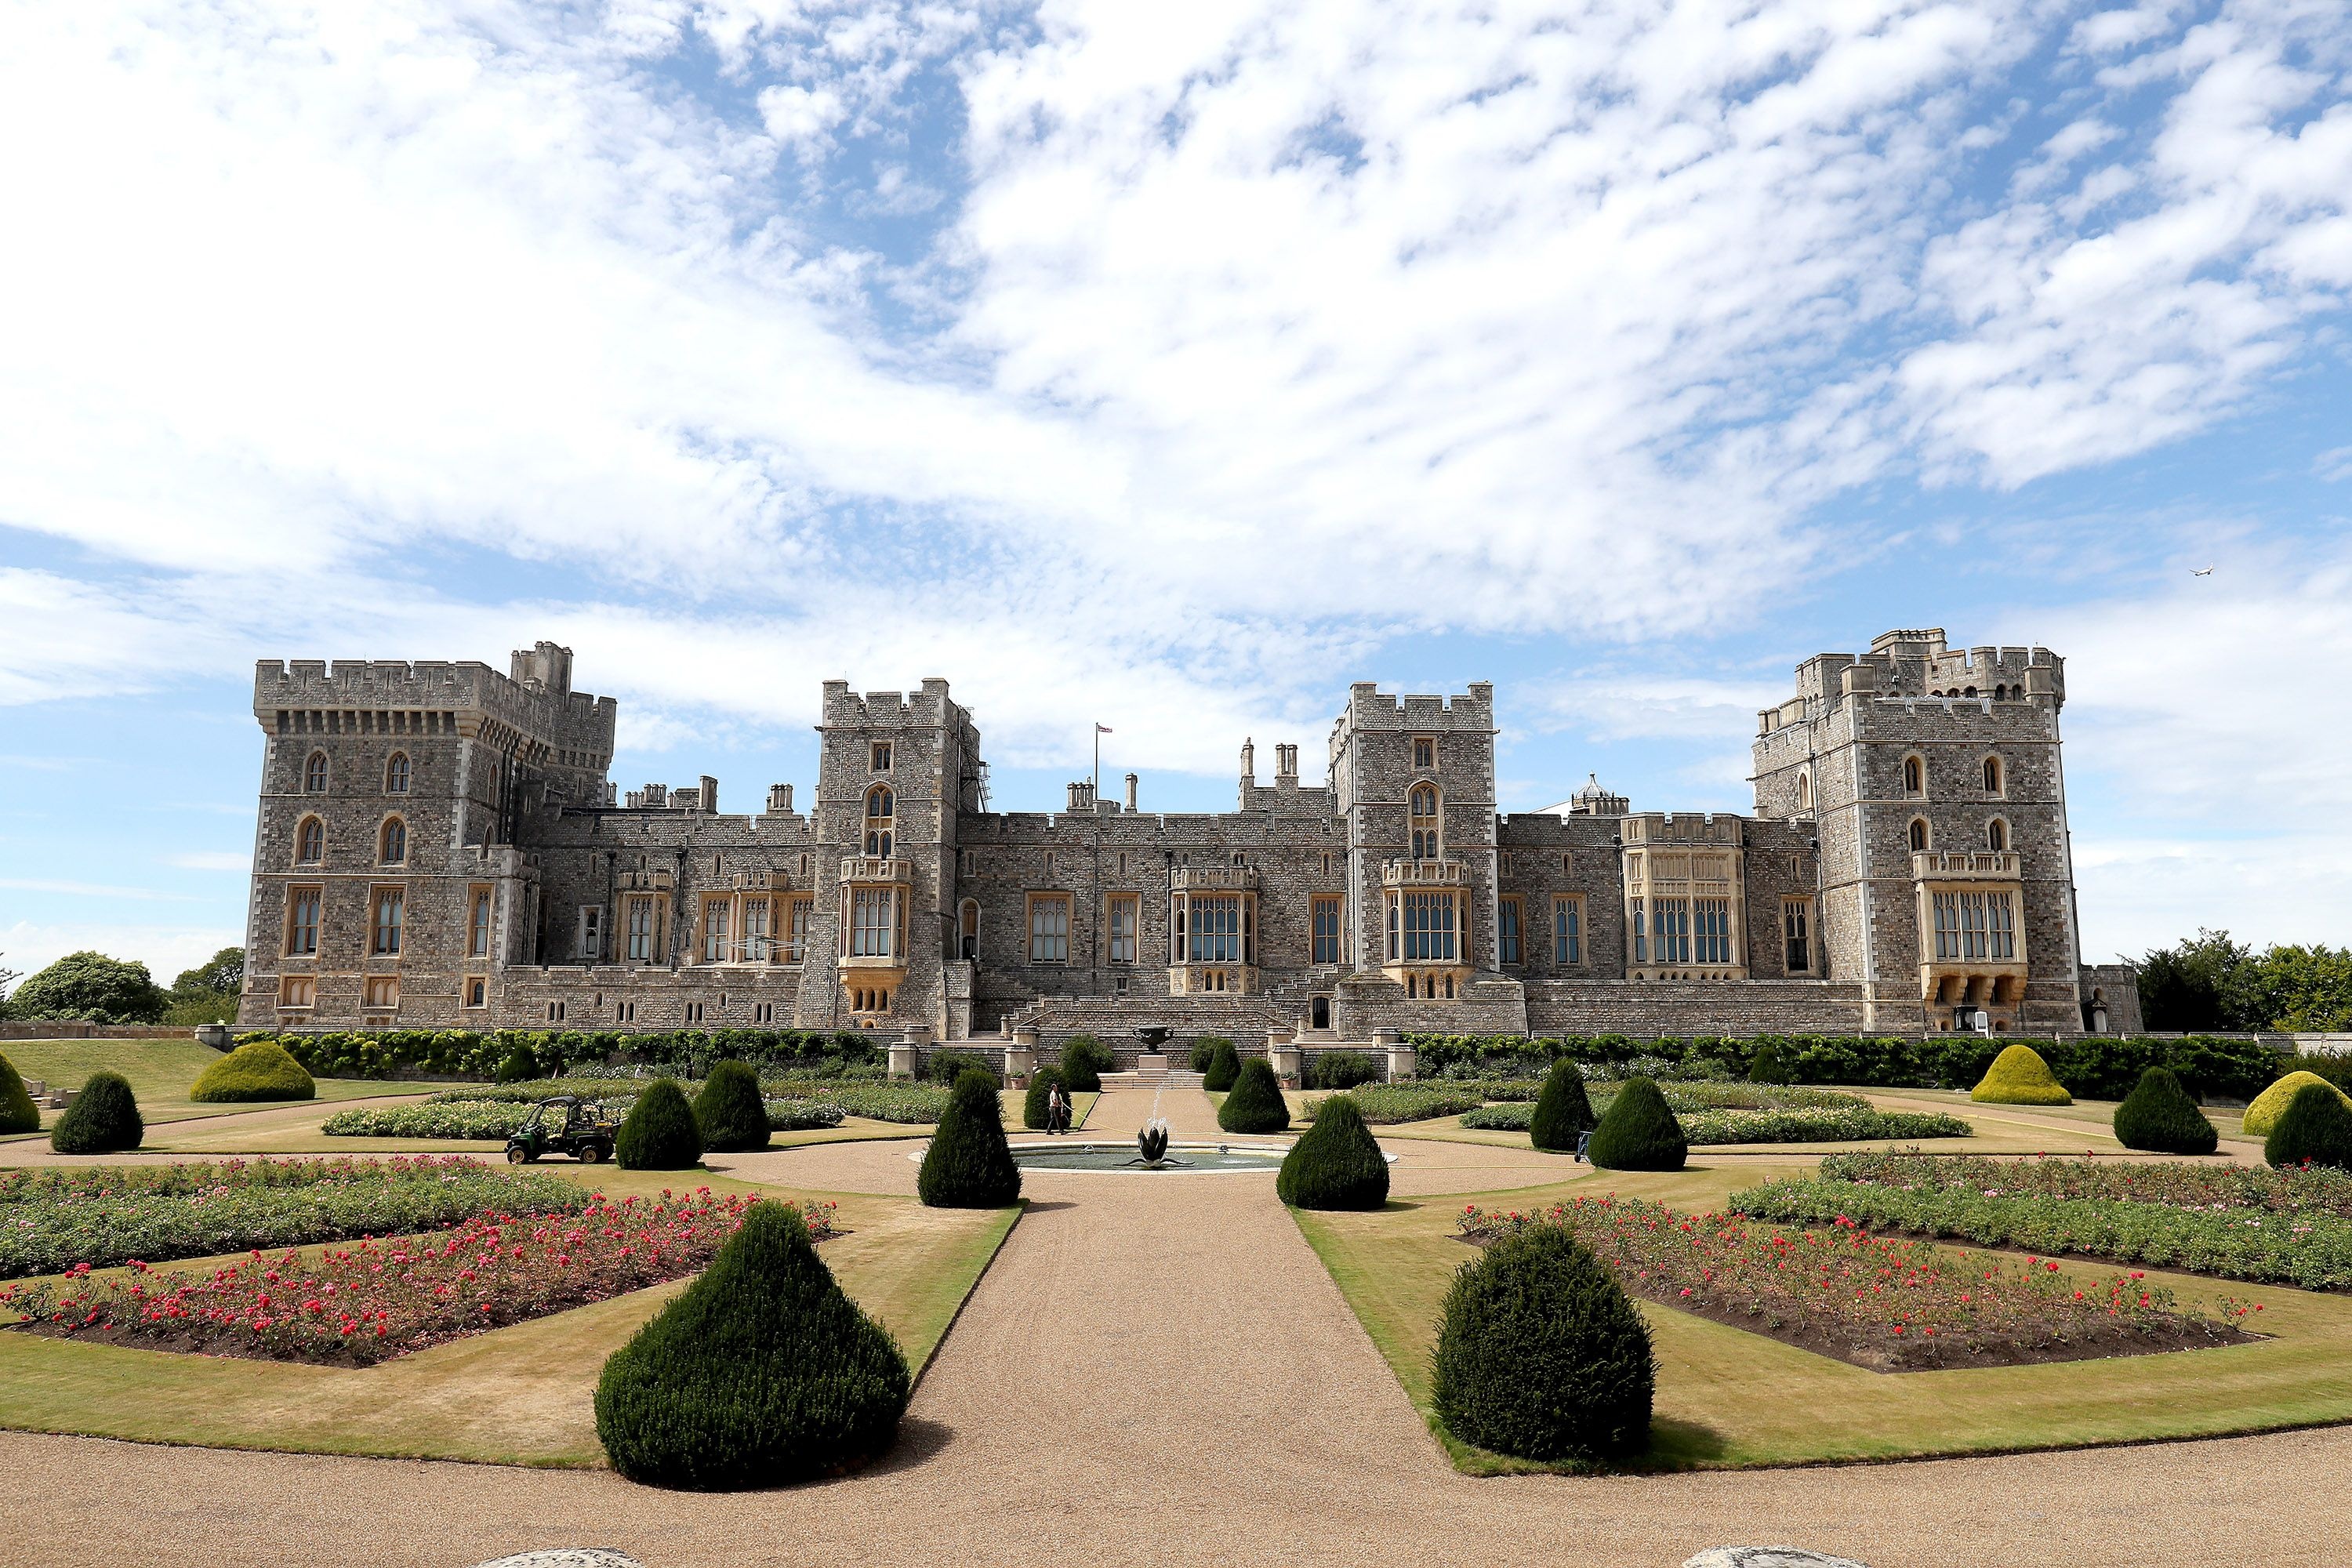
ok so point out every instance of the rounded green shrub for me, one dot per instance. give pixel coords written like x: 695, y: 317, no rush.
x: 969, y: 1164
x: 1254, y: 1104
x: 1336, y: 1162
x: 2019, y: 1076
x: 1225, y: 1066
x: 103, y: 1118
x: 517, y: 1066
x: 2272, y: 1104
x: 2160, y: 1116
x: 1204, y: 1052
x: 728, y: 1111
x: 1563, y: 1110
x: 1540, y: 1355
x: 761, y: 1372
x: 261, y: 1070
x: 1032, y: 1104
x: 659, y: 1133
x: 1084, y: 1061
x: 1638, y: 1132
x: 18, y: 1111
x: 1768, y: 1066
x: 2316, y: 1129
x: 948, y: 1067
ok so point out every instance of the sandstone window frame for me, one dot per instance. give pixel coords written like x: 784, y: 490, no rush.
x: 1996, y: 777
x: 1711, y: 933
x: 1796, y: 942
x: 380, y: 993
x: 481, y: 907
x: 717, y: 923
x: 1424, y: 822
x: 588, y: 933
x: 1915, y: 776
x: 1997, y: 834
x: 1327, y: 925
x: 1425, y: 751
x: 310, y: 841
x: 316, y: 775
x: 1510, y: 931
x: 641, y: 928
x: 304, y: 902
x: 755, y: 929
x: 1425, y: 926
x: 1567, y: 931
x: 1805, y: 789
x: 881, y: 821
x: 877, y: 921
x: 1123, y: 919
x: 1219, y: 927
x: 296, y: 991
x: 880, y: 754
x: 476, y: 992
x: 392, y: 841
x: 1920, y: 836
x: 1049, y: 929
x: 793, y: 928
x: 387, y: 919
x: 396, y: 774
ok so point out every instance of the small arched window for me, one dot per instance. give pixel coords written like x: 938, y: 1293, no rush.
x: 881, y: 817
x: 395, y: 774
x: 1997, y: 834
x: 1804, y: 792
x: 311, y: 842
x: 1915, y: 776
x: 1421, y: 811
x: 1918, y: 836
x: 1994, y: 778
x: 392, y: 845
x: 314, y: 774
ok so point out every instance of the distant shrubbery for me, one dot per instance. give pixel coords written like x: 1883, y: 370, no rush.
x: 1341, y: 1069
x: 258, y: 1071
x: 466, y: 1053
x: 1084, y: 1061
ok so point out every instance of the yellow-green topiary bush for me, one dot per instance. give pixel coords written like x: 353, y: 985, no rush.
x: 262, y: 1070
x: 2272, y: 1104
x: 2019, y: 1076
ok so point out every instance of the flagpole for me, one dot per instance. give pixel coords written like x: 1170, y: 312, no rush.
x: 1099, y: 760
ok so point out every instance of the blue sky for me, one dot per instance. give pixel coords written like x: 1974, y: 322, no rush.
x: 1173, y: 367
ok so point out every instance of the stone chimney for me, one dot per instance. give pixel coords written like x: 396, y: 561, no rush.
x: 1130, y: 792
x: 709, y: 794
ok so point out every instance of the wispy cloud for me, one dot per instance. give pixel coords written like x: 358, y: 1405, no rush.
x: 92, y: 890
x: 210, y: 860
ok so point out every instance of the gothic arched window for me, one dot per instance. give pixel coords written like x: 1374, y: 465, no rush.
x: 314, y: 774
x: 394, y: 844
x: 1421, y: 811
x: 395, y: 773
x: 881, y: 814
x: 1918, y: 836
x: 311, y: 842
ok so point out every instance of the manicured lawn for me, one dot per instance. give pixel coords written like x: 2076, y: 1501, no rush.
x: 161, y: 1074
x: 520, y: 1396
x: 1727, y: 1397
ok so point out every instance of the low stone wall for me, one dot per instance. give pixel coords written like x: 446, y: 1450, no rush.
x: 37, y: 1030
x: 1690, y: 1007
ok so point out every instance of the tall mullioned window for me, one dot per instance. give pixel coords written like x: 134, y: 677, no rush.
x: 1049, y: 929
x: 881, y: 820
x: 872, y: 921
x: 311, y: 842
x: 1429, y: 934
x: 314, y: 774
x: 641, y: 931
x: 391, y: 911
x: 1670, y: 930
x: 1997, y: 834
x: 1567, y: 931
x: 1422, y: 814
x: 795, y: 923
x: 1123, y: 911
x: 1215, y: 932
x: 714, y: 931
x: 302, y: 921
x: 477, y: 924
x: 757, y: 947
x: 1974, y: 926
x: 394, y: 844
x: 1796, y: 932
x: 1918, y: 836
x: 1506, y: 932
x: 1325, y: 917
x: 395, y: 774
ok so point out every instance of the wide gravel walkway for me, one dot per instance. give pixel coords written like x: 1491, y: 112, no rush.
x: 1157, y: 1370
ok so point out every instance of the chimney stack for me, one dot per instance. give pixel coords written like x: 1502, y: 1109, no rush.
x: 1130, y: 792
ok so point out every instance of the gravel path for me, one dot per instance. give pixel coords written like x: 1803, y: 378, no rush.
x: 1157, y: 1370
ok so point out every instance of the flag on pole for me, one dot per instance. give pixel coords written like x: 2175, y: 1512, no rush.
x: 1103, y: 729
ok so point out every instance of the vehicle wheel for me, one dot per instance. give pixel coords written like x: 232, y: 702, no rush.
x: 593, y: 1154
x: 515, y: 1156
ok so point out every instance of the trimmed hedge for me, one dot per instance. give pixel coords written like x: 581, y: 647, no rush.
x: 1563, y: 1110
x: 2019, y: 1076
x: 103, y: 1118
x: 1540, y: 1355
x: 2158, y: 1115
x: 517, y: 1066
x: 729, y: 1112
x: 1225, y: 1066
x: 1336, y: 1164
x: 18, y: 1111
x: 2094, y: 1066
x: 261, y: 1070
x: 1256, y: 1102
x: 1204, y: 1052
x: 969, y: 1164
x: 1032, y: 1104
x: 1084, y: 1061
x: 2316, y: 1129
x: 2269, y: 1105
x: 477, y: 1054
x: 1766, y: 1065
x: 761, y: 1372
x: 948, y: 1068
x: 659, y: 1132
x: 1638, y: 1132
x: 1341, y: 1069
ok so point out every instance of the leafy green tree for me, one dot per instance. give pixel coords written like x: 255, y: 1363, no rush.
x: 2302, y: 989
x: 8, y: 977
x: 1639, y: 1131
x: 223, y: 973
x: 89, y: 987
x: 2196, y: 987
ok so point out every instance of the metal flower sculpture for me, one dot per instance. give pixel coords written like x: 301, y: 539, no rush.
x: 1152, y: 1142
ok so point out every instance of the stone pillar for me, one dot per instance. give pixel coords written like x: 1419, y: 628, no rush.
x: 1285, y: 1060
x: 907, y: 1056
x: 1020, y: 1061
x: 1403, y: 1065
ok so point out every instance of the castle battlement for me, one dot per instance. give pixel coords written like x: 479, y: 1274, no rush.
x: 546, y: 711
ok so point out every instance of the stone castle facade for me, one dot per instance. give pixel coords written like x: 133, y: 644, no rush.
x: 439, y: 847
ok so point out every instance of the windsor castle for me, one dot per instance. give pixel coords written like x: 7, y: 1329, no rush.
x: 440, y: 847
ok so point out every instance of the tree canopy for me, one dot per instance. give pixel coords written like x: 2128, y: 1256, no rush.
x: 89, y: 987
x: 2209, y: 983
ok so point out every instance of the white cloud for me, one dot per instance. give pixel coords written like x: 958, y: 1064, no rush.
x: 92, y: 890
x: 211, y: 860
x: 28, y: 946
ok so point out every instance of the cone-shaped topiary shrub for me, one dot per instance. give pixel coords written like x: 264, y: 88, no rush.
x: 2019, y: 1076
x: 969, y: 1165
x: 2160, y: 1115
x: 1032, y: 1104
x: 761, y: 1373
x: 728, y: 1112
x: 1562, y: 1109
x: 518, y: 1065
x: 1084, y: 1061
x: 18, y: 1111
x: 1225, y: 1066
x: 261, y: 1070
x: 1768, y: 1066
x: 1540, y: 1355
x: 103, y: 1118
x: 1638, y: 1132
x: 2272, y: 1104
x: 1336, y: 1163
x: 2316, y: 1129
x: 659, y: 1133
x: 1204, y: 1052
x: 1254, y: 1104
